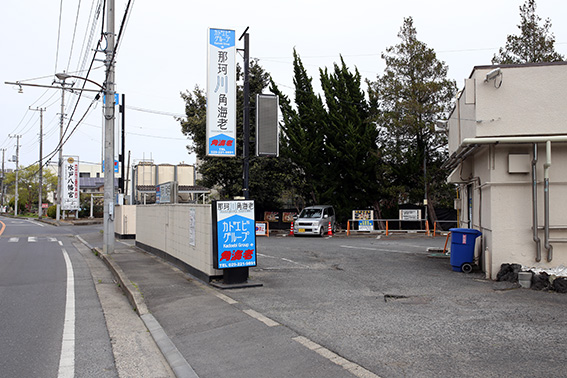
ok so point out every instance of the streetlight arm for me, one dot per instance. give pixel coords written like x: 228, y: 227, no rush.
x: 63, y: 76
x: 51, y: 86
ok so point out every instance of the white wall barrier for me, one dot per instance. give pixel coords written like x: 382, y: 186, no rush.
x: 181, y: 233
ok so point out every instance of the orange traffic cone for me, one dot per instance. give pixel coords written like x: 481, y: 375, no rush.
x: 330, y: 232
x: 291, y: 229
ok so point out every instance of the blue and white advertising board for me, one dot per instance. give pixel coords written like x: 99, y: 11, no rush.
x: 234, y: 234
x: 365, y: 225
x: 221, y: 93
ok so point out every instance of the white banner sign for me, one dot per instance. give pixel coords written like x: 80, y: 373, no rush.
x: 221, y: 93
x: 70, y: 191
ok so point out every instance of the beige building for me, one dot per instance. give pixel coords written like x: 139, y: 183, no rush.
x: 147, y: 175
x: 508, y: 156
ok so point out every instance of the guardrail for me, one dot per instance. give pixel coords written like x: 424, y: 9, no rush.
x: 386, y: 223
x: 435, y: 231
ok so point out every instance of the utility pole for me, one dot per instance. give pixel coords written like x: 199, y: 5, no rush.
x: 109, y: 117
x: 17, y: 164
x: 60, y: 162
x: 40, y: 201
x: 2, y: 179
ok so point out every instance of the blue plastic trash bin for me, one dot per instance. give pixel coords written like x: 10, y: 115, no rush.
x: 462, y: 247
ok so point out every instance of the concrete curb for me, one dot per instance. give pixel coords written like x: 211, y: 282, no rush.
x: 177, y: 362
x: 132, y: 293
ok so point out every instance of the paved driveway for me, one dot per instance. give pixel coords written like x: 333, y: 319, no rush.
x: 388, y: 306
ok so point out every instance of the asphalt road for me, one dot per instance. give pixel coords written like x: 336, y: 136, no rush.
x: 391, y: 308
x: 35, y: 302
x: 35, y: 308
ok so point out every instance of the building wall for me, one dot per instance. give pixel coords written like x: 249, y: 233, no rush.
x: 167, y: 228
x: 512, y: 212
x: 93, y: 170
x: 148, y: 174
x: 529, y: 102
x: 125, y: 220
x: 462, y: 124
x: 186, y: 175
x: 505, y: 216
x: 166, y: 173
x: 145, y: 174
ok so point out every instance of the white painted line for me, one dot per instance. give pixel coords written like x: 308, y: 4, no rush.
x: 225, y: 298
x: 67, y: 361
x: 307, y: 343
x: 351, y: 367
x: 52, y: 239
x: 294, y: 262
x: 268, y: 256
x: 32, y: 239
x: 378, y: 249
x: 60, y: 243
x: 256, y: 315
x: 13, y: 240
x: 37, y: 223
x: 284, y: 259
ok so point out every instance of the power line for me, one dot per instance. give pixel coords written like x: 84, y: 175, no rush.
x: 58, y: 34
x: 94, y: 14
x: 74, y: 34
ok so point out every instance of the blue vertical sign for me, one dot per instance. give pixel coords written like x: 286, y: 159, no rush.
x: 234, y: 234
x: 221, y: 93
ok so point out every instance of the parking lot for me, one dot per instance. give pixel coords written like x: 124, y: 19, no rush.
x: 391, y: 308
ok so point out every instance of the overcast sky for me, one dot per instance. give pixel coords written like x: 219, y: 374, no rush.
x: 164, y: 45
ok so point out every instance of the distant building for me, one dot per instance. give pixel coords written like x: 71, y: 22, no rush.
x: 147, y: 175
x: 508, y: 150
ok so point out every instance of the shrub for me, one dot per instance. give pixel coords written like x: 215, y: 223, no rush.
x: 52, y: 211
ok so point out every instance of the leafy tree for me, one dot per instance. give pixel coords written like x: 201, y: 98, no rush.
x: 28, y: 184
x: 267, y: 175
x: 407, y: 100
x: 533, y: 45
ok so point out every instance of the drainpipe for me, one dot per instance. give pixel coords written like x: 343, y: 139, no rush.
x: 534, y: 205
x: 546, y: 167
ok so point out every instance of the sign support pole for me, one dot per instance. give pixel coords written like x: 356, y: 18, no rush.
x: 240, y: 275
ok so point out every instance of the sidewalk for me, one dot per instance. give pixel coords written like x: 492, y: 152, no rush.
x: 204, y: 333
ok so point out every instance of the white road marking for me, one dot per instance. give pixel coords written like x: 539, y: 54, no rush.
x: 32, y: 239
x: 67, y: 361
x: 13, y: 240
x: 378, y: 249
x: 284, y: 259
x: 52, y: 239
x: 60, y: 243
x: 225, y: 298
x: 256, y: 315
x: 351, y: 367
x: 36, y: 223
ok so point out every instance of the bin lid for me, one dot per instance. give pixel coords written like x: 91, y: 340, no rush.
x: 466, y: 231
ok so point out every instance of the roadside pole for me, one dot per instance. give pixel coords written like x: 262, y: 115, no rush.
x: 109, y: 117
